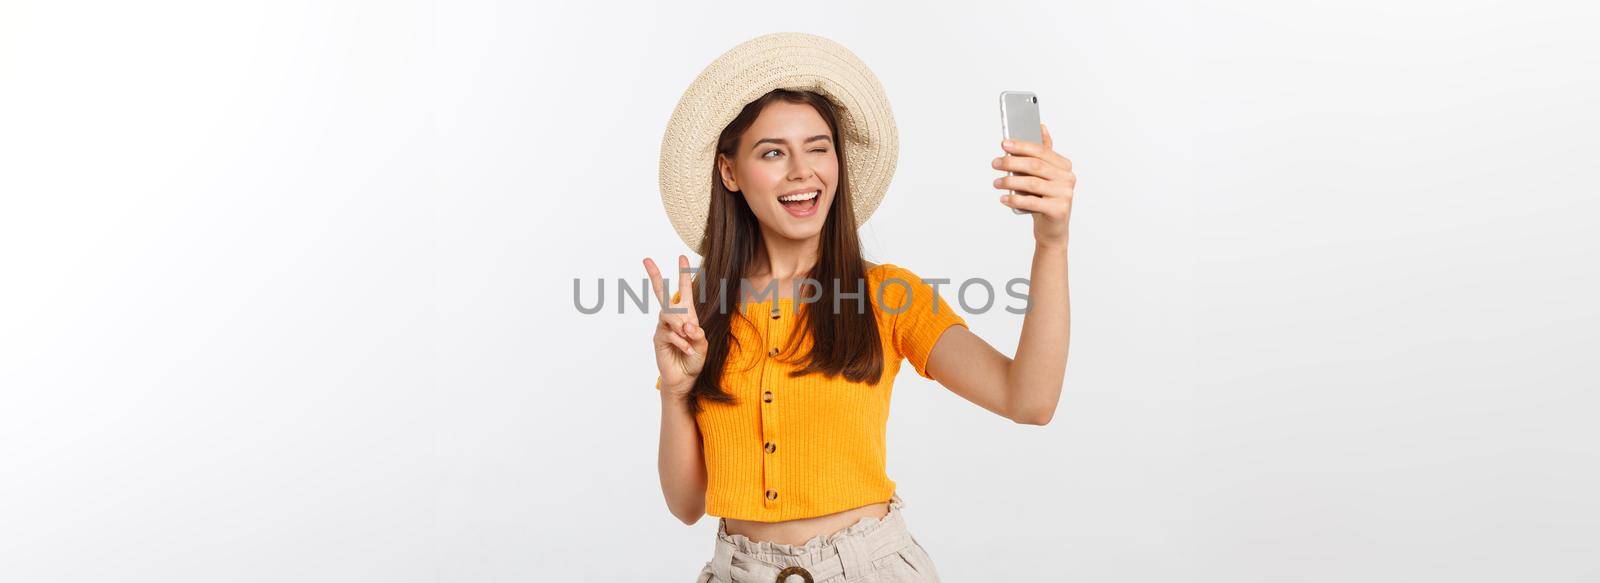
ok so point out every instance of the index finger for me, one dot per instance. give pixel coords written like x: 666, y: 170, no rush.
x: 1035, y: 149
x: 685, y: 284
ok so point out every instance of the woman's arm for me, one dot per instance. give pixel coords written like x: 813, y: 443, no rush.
x: 1027, y: 389
x: 681, y: 465
x: 1035, y: 377
x: 680, y: 347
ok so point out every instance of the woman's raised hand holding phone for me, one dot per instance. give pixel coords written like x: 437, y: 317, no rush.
x: 1047, y: 175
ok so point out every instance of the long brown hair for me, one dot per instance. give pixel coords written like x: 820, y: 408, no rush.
x: 845, y: 343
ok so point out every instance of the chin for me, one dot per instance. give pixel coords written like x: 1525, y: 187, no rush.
x: 803, y: 235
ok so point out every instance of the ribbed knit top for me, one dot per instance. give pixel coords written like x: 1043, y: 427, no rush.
x: 808, y: 446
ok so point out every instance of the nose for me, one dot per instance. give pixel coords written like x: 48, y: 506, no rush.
x: 799, y: 170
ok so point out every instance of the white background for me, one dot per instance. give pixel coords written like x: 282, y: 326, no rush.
x: 286, y: 288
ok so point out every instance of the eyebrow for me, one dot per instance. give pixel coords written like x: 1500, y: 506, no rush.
x: 780, y: 142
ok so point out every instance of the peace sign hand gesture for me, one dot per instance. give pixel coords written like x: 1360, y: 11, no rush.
x: 680, y: 343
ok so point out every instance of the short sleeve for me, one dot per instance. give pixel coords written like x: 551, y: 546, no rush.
x: 921, y: 320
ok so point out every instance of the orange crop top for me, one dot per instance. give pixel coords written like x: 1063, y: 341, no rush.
x: 808, y: 446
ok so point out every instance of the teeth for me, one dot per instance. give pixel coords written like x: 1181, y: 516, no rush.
x: 798, y: 197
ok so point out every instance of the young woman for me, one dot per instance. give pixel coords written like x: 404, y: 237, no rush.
x: 776, y: 370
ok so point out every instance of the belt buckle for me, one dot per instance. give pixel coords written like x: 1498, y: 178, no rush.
x: 783, y: 576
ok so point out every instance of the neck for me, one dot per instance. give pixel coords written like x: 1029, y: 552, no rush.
x: 783, y: 258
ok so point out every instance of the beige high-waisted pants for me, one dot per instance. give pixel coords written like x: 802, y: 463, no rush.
x: 872, y: 550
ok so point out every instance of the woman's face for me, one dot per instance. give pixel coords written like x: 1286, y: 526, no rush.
x: 788, y: 150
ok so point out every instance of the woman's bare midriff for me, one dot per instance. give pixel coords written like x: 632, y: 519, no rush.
x: 798, y: 531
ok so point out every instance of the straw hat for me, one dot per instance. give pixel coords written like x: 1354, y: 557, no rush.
x: 744, y: 73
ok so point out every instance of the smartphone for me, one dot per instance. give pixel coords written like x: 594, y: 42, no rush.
x: 1019, y: 120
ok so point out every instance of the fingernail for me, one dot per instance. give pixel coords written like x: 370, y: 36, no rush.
x: 1010, y: 143
x: 995, y: 163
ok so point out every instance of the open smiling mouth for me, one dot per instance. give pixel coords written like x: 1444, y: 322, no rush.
x: 801, y: 205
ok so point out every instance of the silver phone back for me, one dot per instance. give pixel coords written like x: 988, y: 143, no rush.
x: 1019, y: 120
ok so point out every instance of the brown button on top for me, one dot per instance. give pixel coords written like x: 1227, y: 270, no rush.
x: 774, y: 313
x: 773, y: 352
x: 771, y: 447
x: 772, y: 494
x: 767, y: 396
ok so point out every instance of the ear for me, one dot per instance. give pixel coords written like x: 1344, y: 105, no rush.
x: 725, y: 170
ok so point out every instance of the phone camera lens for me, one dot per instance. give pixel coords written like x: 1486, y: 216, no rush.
x: 1035, y: 100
